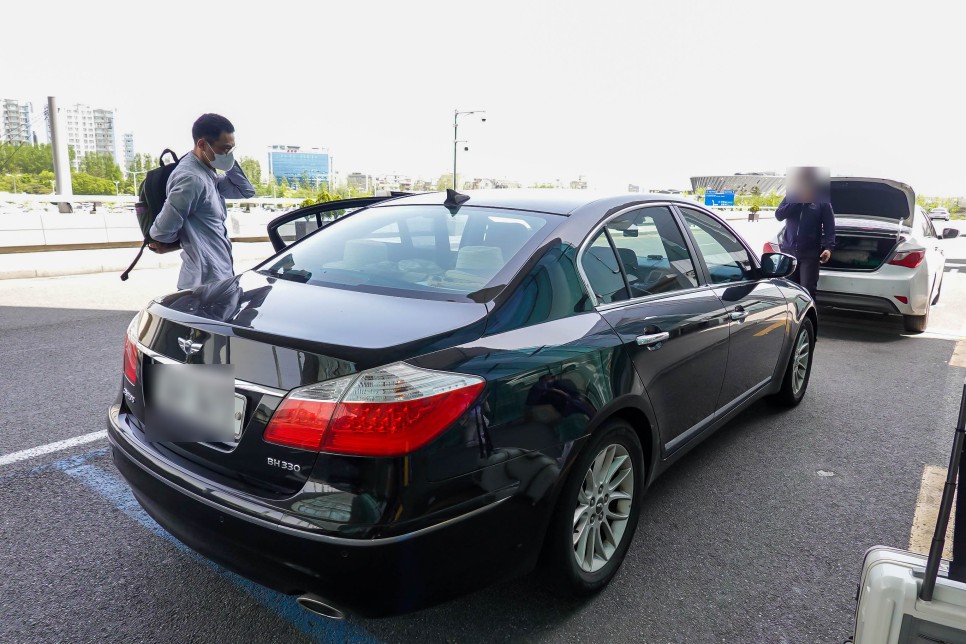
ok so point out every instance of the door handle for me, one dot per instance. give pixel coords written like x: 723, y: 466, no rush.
x: 739, y: 314
x: 652, y: 339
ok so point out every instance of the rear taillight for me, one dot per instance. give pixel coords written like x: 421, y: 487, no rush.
x: 388, y: 411
x: 770, y: 248
x: 908, y: 258
x: 131, y: 354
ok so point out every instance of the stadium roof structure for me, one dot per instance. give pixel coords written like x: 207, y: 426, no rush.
x: 767, y: 183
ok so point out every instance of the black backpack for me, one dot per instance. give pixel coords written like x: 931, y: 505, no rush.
x: 151, y: 197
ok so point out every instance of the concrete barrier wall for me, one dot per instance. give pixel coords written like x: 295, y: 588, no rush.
x: 37, y: 230
x: 20, y: 230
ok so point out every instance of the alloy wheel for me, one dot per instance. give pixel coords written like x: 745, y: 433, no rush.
x: 604, y: 503
x: 801, y: 358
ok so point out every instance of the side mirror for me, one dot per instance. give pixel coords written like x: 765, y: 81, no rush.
x: 949, y: 233
x: 778, y: 265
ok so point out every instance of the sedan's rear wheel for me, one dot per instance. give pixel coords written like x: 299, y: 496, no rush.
x: 916, y: 323
x: 597, y: 512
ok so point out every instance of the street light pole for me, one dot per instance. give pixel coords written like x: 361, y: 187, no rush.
x: 456, y: 125
x: 117, y: 188
x: 136, y: 173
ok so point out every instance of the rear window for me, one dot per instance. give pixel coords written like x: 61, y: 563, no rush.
x: 418, y: 249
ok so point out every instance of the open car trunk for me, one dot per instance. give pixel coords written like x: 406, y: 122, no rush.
x: 871, y: 216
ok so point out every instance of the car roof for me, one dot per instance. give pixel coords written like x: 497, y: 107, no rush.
x: 548, y: 200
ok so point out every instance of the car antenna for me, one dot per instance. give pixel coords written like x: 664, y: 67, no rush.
x: 454, y: 200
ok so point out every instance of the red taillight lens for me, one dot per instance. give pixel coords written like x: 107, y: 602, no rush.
x: 908, y: 258
x: 130, y: 360
x: 770, y: 248
x: 902, y: 298
x: 385, y: 412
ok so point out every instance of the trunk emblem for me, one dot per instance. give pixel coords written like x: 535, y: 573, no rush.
x: 189, y: 347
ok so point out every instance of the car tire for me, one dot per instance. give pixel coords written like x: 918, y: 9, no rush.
x: 916, y: 323
x: 582, y: 514
x: 799, y: 368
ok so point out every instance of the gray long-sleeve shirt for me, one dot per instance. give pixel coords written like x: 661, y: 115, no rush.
x: 195, y: 214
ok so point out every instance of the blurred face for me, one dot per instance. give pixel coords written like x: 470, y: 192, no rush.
x: 807, y: 184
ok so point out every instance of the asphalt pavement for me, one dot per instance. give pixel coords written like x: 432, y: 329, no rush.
x: 755, y: 536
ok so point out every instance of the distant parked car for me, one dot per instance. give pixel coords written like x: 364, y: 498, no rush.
x: 887, y: 257
x: 939, y: 213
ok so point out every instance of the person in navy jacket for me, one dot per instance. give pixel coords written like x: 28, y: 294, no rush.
x: 809, y: 232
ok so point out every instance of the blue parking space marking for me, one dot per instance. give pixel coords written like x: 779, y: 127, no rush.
x: 111, y: 487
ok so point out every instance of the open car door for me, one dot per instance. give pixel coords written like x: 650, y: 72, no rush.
x: 287, y: 229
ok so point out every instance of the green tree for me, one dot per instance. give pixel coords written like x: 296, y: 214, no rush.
x: 25, y: 159
x: 100, y: 165
x: 446, y: 181
x: 252, y: 169
x: 85, y: 184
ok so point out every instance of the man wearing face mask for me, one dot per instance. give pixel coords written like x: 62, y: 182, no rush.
x: 194, y: 212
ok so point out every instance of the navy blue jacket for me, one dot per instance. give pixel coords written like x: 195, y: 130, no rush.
x: 808, y: 226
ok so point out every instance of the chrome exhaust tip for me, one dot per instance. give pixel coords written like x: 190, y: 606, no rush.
x: 317, y: 605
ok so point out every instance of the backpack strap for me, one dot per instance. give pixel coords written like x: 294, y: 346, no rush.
x: 130, y: 268
x: 168, y: 151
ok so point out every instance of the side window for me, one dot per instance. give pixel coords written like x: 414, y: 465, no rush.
x: 602, y: 270
x: 652, y: 249
x: 927, y: 228
x: 726, y: 257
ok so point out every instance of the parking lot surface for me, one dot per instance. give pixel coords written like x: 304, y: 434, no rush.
x: 756, y: 536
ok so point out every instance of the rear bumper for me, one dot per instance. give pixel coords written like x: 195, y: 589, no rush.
x: 877, y: 290
x: 857, y: 302
x: 370, y: 577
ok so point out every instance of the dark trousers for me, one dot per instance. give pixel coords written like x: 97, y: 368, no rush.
x: 806, y: 274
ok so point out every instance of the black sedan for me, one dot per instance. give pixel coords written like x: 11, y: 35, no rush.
x: 421, y: 395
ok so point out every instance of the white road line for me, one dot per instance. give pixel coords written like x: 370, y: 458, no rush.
x: 927, y: 510
x: 33, y: 452
x: 959, y: 355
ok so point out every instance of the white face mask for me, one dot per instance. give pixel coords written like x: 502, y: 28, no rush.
x: 223, y: 162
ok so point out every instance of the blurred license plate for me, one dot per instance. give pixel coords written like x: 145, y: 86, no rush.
x: 193, y: 403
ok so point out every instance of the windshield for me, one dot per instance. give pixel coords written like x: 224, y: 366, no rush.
x: 422, y: 249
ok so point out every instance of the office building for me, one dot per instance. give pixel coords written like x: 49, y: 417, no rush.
x: 128, y: 151
x: 359, y: 182
x: 89, y: 131
x: 15, y: 122
x: 290, y: 163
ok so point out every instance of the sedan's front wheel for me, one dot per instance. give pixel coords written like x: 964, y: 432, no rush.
x: 799, y: 368
x: 597, y: 512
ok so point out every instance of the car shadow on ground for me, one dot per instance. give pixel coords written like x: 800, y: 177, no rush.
x: 860, y: 327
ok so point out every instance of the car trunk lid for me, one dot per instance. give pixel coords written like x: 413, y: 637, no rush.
x: 874, y: 199
x: 871, y: 217
x: 278, y: 335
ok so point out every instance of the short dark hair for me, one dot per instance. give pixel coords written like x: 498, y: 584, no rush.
x: 210, y: 126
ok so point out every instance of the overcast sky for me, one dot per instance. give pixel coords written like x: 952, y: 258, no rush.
x: 625, y: 92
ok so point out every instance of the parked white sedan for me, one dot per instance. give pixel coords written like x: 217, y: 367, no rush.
x: 888, y: 257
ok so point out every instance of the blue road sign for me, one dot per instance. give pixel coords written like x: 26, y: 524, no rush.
x: 719, y: 198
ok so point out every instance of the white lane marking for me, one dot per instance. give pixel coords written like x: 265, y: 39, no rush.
x: 927, y: 511
x: 33, y: 452
x: 959, y: 355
